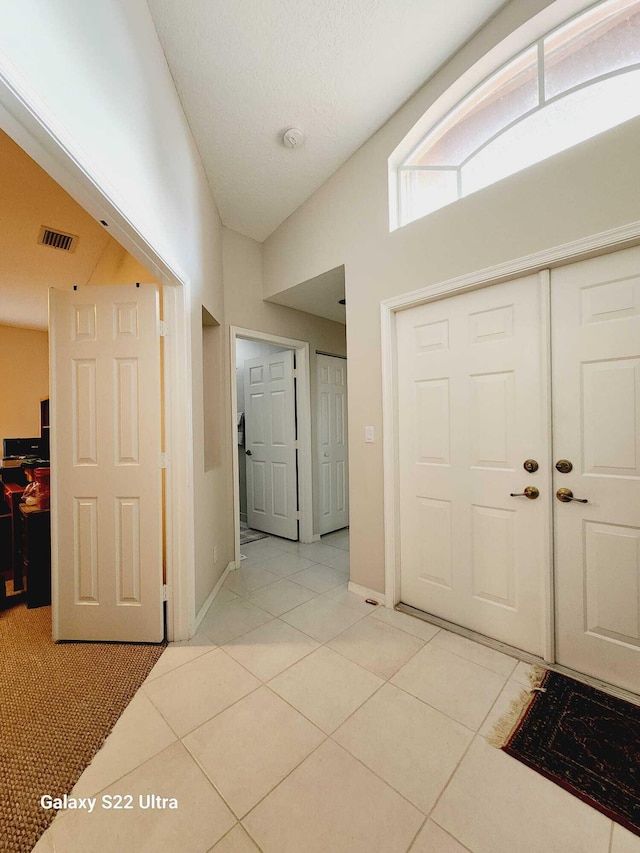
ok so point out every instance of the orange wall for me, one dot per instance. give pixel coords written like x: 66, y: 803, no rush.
x: 24, y: 380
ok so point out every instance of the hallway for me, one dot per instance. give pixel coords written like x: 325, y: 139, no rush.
x: 301, y: 718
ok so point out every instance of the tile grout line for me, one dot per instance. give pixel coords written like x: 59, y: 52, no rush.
x: 451, y: 835
x: 146, y: 682
x: 222, y: 649
x: 329, y: 736
x: 235, y: 702
x: 293, y: 769
x: 446, y: 785
x: 237, y: 823
x: 493, y: 705
x: 341, y: 631
x: 355, y: 757
x: 290, y: 578
x: 462, y: 657
x: 420, y: 828
x: 222, y: 796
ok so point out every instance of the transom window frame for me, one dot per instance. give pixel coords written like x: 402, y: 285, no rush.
x: 468, y: 82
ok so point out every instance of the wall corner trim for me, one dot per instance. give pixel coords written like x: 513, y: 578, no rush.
x: 566, y: 253
x: 205, y: 607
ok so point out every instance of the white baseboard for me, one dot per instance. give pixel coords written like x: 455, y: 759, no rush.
x: 243, y: 517
x: 365, y: 592
x: 205, y: 607
x: 314, y: 538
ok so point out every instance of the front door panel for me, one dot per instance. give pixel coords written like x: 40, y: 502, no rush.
x: 471, y: 409
x: 596, y: 406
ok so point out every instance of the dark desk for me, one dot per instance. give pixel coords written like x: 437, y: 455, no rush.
x: 36, y: 554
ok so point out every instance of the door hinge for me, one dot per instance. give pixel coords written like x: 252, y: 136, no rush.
x: 163, y: 460
x: 295, y: 374
x: 296, y: 515
x: 164, y: 328
x: 165, y: 592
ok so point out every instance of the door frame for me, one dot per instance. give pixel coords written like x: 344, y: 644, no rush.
x: 303, y: 416
x: 25, y: 119
x: 539, y: 262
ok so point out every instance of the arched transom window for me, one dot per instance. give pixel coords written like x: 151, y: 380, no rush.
x: 579, y: 80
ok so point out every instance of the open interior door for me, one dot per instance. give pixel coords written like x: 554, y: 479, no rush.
x: 270, y: 423
x: 106, y: 489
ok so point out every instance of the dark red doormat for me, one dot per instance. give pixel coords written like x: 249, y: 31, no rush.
x: 584, y: 740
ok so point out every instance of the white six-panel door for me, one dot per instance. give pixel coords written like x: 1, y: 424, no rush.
x: 596, y: 416
x: 106, y: 485
x: 270, y: 446
x: 472, y: 408
x: 333, y: 454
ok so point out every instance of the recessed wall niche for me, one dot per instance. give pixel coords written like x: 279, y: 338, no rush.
x: 211, y: 389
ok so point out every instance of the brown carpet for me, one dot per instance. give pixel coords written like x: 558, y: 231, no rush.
x: 58, y: 703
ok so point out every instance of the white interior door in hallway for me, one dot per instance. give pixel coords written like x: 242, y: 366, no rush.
x: 270, y: 444
x: 472, y: 391
x: 596, y: 406
x: 106, y: 442
x: 333, y: 459
x: 471, y: 410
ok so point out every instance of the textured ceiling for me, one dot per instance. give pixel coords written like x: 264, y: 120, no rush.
x: 248, y: 69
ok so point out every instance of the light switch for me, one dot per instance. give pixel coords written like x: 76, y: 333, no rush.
x: 368, y: 434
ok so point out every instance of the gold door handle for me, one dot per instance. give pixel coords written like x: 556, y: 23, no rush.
x: 529, y: 492
x: 566, y: 496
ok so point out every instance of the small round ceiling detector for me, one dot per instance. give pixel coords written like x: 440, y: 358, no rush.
x: 293, y: 137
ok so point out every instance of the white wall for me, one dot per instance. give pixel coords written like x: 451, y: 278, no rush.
x: 580, y: 192
x: 24, y: 380
x: 96, y: 76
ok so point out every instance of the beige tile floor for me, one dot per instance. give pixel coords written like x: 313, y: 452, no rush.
x: 302, y: 720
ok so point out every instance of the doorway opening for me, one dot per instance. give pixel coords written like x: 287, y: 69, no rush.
x: 271, y: 422
x: 105, y: 249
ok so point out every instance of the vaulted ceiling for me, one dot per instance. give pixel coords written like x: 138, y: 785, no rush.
x: 29, y: 200
x: 338, y: 69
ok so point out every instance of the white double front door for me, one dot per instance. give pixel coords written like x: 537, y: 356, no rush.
x: 484, y: 388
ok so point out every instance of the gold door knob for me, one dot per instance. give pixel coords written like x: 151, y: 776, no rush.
x: 529, y: 492
x: 566, y: 496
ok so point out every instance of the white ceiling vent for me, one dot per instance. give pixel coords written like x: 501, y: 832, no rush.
x: 57, y: 239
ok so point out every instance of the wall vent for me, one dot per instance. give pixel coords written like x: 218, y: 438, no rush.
x: 57, y: 239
